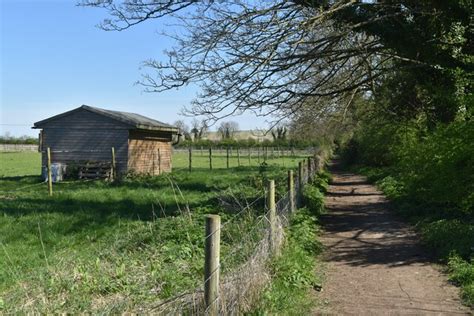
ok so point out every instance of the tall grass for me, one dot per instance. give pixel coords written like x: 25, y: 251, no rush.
x: 295, y: 272
x: 116, y: 247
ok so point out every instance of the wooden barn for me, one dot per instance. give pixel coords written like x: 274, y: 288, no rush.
x: 87, y: 134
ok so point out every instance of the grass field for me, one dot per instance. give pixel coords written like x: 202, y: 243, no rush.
x: 114, y: 247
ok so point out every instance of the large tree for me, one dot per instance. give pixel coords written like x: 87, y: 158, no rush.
x: 274, y: 57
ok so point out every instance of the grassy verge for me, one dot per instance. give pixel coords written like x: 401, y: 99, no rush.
x: 111, y: 248
x: 450, y: 235
x: 294, y: 271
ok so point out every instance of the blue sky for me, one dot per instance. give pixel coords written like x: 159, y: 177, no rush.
x: 54, y: 58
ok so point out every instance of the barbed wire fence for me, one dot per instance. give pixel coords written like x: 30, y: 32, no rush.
x: 238, y: 289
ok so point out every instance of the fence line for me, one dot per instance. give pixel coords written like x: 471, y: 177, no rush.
x: 18, y: 147
x: 239, y: 288
x: 268, y: 151
x: 233, y: 158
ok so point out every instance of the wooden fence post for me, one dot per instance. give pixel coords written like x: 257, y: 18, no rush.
x: 310, y: 169
x: 281, y: 154
x: 50, y: 179
x: 211, y: 265
x: 303, y: 169
x: 210, y: 158
x: 238, y: 156
x: 227, y: 158
x: 273, y: 152
x: 300, y: 182
x: 190, y: 159
x: 317, y: 163
x: 291, y: 191
x: 272, y: 213
x: 114, y: 165
x: 258, y: 154
x: 159, y: 161
x: 153, y: 163
x: 250, y: 158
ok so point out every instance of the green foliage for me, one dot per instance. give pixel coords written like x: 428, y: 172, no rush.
x: 294, y: 271
x: 7, y: 139
x: 439, y: 169
x: 250, y: 143
x: 429, y: 175
x: 433, y: 41
x: 462, y: 272
x: 422, y: 164
x: 313, y: 199
x: 391, y: 187
x: 304, y: 228
x: 321, y: 181
x: 446, y: 236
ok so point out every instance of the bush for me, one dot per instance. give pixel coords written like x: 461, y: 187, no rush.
x: 313, y: 199
x: 250, y: 143
x: 429, y: 174
x: 447, y: 236
x: 294, y: 271
x: 462, y: 273
x: 321, y: 181
x: 434, y: 168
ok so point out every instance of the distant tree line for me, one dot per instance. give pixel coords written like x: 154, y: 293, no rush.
x: 249, y: 143
x: 9, y: 139
x: 197, y: 136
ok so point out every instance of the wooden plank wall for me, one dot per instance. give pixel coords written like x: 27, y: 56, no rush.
x: 83, y: 136
x: 143, y: 152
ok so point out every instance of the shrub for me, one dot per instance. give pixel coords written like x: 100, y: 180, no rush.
x: 445, y: 236
x: 321, y: 181
x: 294, y: 271
x: 462, y: 273
x: 313, y: 199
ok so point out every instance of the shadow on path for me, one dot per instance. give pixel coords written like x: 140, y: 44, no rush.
x: 375, y: 262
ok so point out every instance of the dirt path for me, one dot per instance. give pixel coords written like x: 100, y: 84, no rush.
x: 375, y: 265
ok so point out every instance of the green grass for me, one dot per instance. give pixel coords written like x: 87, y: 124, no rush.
x: 20, y: 164
x: 296, y: 271
x: 200, y: 159
x: 115, y: 247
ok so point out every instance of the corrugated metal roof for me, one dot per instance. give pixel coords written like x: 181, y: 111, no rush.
x: 133, y: 119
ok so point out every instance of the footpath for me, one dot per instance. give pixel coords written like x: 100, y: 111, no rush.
x: 374, y: 262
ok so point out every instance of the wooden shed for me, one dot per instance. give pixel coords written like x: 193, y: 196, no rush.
x: 87, y: 134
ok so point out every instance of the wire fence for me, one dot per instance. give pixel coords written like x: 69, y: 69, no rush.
x: 240, y: 287
x: 7, y: 148
x: 227, y: 157
x: 245, y: 265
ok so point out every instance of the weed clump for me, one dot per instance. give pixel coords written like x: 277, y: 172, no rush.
x: 293, y: 273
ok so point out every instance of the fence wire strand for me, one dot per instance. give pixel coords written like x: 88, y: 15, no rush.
x: 240, y: 286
